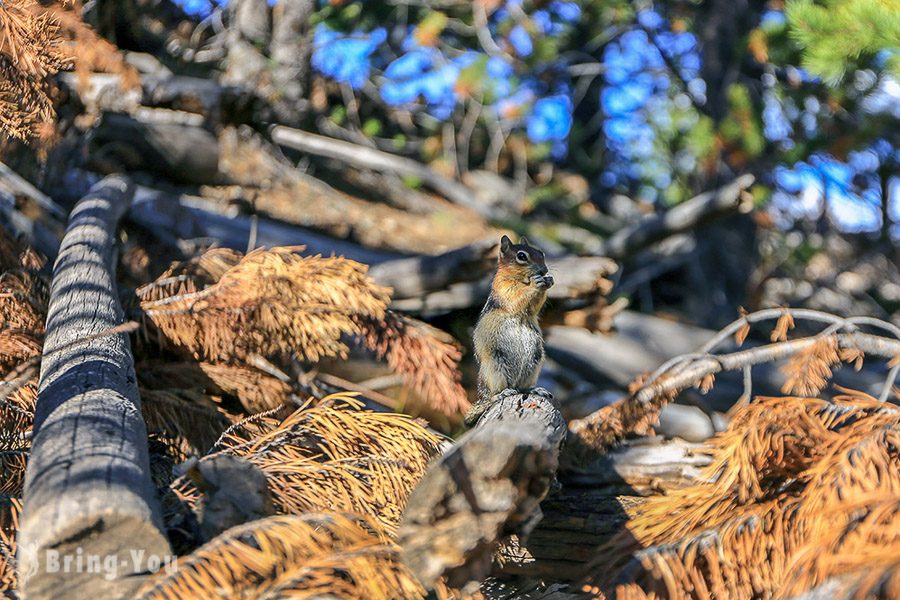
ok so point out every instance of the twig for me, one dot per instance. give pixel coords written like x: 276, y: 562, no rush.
x: 711, y: 364
x: 806, y: 314
x: 748, y: 386
x: 479, y: 17
x: 340, y: 382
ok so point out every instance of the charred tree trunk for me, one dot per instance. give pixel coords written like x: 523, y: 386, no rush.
x: 486, y: 487
x: 87, y: 488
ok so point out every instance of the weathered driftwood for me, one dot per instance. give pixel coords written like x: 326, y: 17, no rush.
x: 487, y: 486
x: 87, y: 488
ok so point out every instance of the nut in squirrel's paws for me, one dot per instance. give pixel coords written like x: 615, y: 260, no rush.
x: 542, y: 281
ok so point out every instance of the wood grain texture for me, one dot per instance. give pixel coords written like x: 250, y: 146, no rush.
x: 487, y: 486
x: 87, y: 487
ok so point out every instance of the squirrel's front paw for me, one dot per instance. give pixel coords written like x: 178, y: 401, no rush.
x: 542, y: 392
x: 506, y: 393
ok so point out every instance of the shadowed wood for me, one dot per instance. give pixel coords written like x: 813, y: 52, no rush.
x: 487, y: 486
x: 87, y: 487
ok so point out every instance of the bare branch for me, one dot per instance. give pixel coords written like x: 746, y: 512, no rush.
x: 594, y: 430
x: 681, y: 218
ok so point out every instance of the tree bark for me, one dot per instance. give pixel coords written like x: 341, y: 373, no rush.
x: 87, y: 487
x: 485, y: 487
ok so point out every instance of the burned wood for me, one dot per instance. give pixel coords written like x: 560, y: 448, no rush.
x: 488, y: 485
x: 88, y: 490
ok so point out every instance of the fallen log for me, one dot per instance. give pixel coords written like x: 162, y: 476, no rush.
x: 591, y: 506
x: 487, y: 486
x: 640, y: 343
x: 184, y: 217
x: 16, y: 184
x: 371, y: 158
x: 419, y: 275
x: 181, y: 153
x: 88, y: 497
x: 33, y: 232
x: 574, y: 277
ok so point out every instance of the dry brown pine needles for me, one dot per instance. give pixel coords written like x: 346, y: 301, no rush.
x: 221, y: 308
x: 800, y: 490
x: 333, y: 454
x: 305, y: 556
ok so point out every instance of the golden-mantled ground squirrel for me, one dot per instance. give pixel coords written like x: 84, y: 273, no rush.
x: 509, y: 347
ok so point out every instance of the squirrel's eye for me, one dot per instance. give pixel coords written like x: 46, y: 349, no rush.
x: 521, y: 257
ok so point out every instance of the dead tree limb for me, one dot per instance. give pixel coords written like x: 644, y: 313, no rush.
x: 487, y: 486
x: 371, y: 158
x: 87, y: 487
x: 681, y: 218
x: 597, y: 431
x: 419, y: 275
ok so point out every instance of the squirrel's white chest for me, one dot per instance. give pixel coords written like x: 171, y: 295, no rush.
x: 510, y: 353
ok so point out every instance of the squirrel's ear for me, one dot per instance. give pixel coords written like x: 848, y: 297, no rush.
x: 523, y: 241
x: 505, y: 243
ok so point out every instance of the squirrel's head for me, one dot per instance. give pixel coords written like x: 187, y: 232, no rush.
x: 524, y: 263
